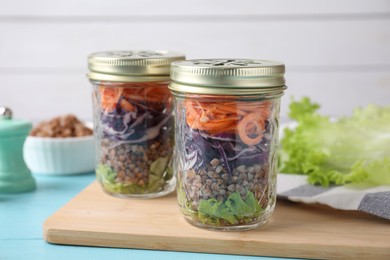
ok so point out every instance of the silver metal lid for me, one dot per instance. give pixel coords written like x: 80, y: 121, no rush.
x: 227, y: 76
x: 129, y: 66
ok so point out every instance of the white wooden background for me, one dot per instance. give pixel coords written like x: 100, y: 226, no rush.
x: 336, y: 52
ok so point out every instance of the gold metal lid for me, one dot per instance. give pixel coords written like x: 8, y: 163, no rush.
x: 130, y: 66
x: 227, y: 77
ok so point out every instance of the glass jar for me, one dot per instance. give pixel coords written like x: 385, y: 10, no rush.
x: 133, y: 122
x: 226, y: 135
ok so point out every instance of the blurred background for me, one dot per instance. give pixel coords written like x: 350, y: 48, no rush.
x: 336, y: 52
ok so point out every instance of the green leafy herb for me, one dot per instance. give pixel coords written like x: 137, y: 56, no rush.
x: 353, y: 149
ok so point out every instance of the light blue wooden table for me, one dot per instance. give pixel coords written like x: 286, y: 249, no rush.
x: 22, y: 216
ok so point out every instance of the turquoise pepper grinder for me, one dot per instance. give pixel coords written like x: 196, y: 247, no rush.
x: 14, y: 174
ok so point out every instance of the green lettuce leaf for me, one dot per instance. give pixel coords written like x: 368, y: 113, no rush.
x: 354, y: 149
x: 106, y: 175
x: 240, y: 207
x: 159, y: 166
x: 251, y: 201
x: 105, y: 172
x: 232, y: 210
x: 216, y: 209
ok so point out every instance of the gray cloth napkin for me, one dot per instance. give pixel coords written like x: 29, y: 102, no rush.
x: 372, y: 200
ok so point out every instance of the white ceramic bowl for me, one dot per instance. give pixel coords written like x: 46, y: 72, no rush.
x: 59, y: 156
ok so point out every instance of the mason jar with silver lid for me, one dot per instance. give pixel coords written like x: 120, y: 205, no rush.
x: 133, y: 122
x: 226, y: 136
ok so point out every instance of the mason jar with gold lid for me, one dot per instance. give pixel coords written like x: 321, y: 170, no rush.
x: 133, y: 122
x: 226, y: 137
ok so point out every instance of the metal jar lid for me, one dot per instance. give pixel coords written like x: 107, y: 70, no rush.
x: 228, y: 77
x: 131, y: 66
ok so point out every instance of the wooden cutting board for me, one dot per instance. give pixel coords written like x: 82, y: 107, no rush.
x: 94, y: 218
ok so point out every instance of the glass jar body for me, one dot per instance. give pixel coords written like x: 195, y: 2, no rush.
x: 225, y: 159
x: 133, y: 127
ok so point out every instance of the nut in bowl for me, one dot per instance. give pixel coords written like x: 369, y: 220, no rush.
x: 61, y: 146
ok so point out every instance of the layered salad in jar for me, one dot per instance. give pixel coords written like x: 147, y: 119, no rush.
x: 226, y: 160
x: 134, y: 125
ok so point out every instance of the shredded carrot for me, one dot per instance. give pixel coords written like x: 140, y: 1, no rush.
x: 126, y: 105
x: 259, y: 126
x: 245, y: 118
x: 110, y: 97
x: 123, y: 95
